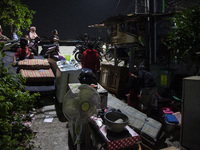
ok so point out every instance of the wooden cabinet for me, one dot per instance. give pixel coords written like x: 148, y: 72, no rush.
x: 114, y: 79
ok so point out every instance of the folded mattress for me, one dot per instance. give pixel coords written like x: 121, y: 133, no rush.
x: 38, y: 77
x: 33, y: 64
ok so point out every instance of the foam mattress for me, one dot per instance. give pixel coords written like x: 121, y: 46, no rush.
x: 38, y: 77
x: 33, y: 64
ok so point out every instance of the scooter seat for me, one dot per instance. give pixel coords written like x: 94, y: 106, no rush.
x: 48, y: 45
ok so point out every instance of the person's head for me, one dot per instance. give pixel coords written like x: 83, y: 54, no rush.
x: 85, y: 35
x: 26, y: 36
x: 15, y: 30
x: 55, y: 32
x: 140, y: 66
x: 33, y: 29
x: 23, y: 42
x: 90, y: 45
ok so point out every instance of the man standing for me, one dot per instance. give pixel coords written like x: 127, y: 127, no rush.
x: 90, y: 59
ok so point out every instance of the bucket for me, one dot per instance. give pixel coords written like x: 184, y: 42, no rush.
x: 169, y: 127
x: 67, y: 57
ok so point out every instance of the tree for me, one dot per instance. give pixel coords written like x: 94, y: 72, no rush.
x: 15, y: 14
x: 184, y: 38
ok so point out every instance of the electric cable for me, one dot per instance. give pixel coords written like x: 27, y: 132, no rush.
x: 117, y: 6
x: 130, y: 6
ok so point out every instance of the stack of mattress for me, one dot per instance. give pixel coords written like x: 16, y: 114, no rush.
x: 36, y: 71
x: 33, y: 64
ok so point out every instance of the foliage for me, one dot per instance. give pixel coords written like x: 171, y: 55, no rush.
x: 15, y: 104
x: 16, y: 15
x: 184, y: 39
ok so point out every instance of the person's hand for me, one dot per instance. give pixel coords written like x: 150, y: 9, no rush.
x: 14, y: 64
x: 132, y: 75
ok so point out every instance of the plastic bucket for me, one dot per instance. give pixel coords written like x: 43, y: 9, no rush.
x: 67, y: 57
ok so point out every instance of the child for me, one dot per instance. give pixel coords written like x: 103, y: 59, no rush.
x: 22, y: 52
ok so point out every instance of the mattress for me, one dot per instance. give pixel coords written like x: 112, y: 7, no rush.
x: 33, y: 64
x: 38, y: 77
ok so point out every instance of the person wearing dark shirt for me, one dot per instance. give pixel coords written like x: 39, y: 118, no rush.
x: 86, y: 39
x: 147, y: 87
x: 90, y: 59
x: 22, y: 52
x: 54, y: 37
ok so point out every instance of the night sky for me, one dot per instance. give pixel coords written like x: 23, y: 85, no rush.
x: 72, y: 17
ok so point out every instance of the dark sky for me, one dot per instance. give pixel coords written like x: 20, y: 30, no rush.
x: 72, y: 17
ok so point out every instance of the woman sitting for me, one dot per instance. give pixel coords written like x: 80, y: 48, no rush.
x: 32, y: 33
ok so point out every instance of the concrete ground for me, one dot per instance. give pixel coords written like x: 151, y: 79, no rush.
x: 49, y: 124
x: 50, y: 127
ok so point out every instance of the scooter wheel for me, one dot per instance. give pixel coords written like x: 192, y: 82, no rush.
x: 109, y: 56
x: 78, y: 56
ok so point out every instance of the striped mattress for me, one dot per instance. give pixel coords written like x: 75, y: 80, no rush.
x: 33, y: 64
x: 38, y: 77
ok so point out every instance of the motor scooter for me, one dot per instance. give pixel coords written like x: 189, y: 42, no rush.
x: 98, y: 48
x: 50, y: 49
x: 78, y: 51
x: 10, y: 45
x: 109, y: 54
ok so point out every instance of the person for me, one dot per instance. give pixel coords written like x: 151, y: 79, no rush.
x: 22, y: 52
x: 32, y: 33
x: 54, y: 37
x: 145, y: 84
x: 27, y: 37
x: 2, y: 37
x: 90, y: 59
x: 14, y: 35
x: 34, y: 40
x: 86, y: 38
x: 123, y: 54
